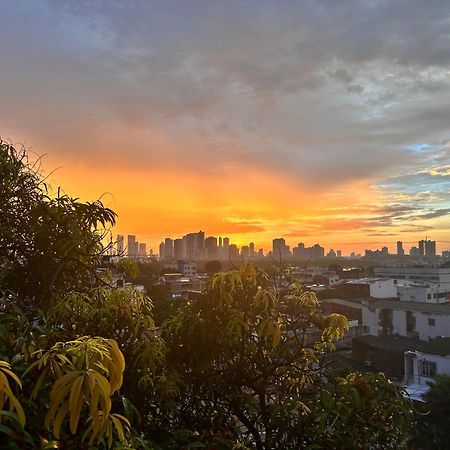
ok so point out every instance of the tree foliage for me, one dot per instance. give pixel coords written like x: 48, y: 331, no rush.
x: 252, y: 354
x: 48, y: 244
x: 433, y: 425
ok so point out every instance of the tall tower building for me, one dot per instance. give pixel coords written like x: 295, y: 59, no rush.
x: 430, y: 249
x: 133, y: 246
x: 280, y: 249
x: 142, y: 249
x: 422, y: 248
x: 200, y: 245
x: 168, y: 248
x: 178, y: 248
x: 162, y: 253
x: 400, y: 251
x: 211, y: 247
x: 251, y: 249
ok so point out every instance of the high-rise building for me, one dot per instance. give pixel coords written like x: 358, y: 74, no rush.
x: 195, y: 245
x: 430, y: 249
x: 226, y: 242
x: 233, y: 251
x: 162, y: 253
x: 142, y: 249
x: 220, y: 241
x: 178, y: 248
x: 252, y: 249
x: 400, y: 251
x: 422, y: 248
x: 245, y: 251
x: 133, y: 246
x: 314, y: 252
x: 120, y: 244
x: 200, y: 241
x: 414, y: 251
x: 168, y: 248
x: 280, y: 249
x: 339, y: 253
x: 211, y: 247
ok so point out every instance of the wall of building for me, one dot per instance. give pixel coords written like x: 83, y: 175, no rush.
x: 383, y: 289
x: 427, y: 325
x: 431, y: 274
x: 413, y: 369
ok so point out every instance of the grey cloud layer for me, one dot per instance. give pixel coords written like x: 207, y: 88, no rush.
x: 323, y: 91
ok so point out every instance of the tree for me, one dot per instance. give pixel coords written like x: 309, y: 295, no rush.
x: 212, y: 267
x: 48, y: 244
x: 433, y: 425
x: 251, y: 354
x: 50, y: 248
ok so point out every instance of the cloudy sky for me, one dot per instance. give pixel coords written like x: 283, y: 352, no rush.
x: 321, y: 121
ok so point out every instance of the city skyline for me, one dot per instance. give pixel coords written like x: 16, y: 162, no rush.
x: 317, y: 121
x: 279, y: 245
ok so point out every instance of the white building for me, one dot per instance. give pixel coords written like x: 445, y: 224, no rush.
x: 371, y: 287
x: 421, y: 291
x: 422, y: 367
x: 410, y: 319
x: 436, y: 275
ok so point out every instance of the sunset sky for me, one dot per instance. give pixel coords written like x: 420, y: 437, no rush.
x: 317, y: 121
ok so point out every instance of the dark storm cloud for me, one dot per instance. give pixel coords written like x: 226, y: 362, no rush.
x: 322, y: 91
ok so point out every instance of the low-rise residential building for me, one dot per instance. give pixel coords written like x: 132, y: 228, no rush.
x: 370, y: 287
x: 423, y: 365
x: 180, y: 285
x: 188, y: 269
x: 421, y: 291
x: 436, y: 275
x: 384, y: 353
x: 384, y: 317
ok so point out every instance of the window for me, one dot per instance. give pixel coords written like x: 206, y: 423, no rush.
x: 410, y: 322
x: 429, y: 296
x: 431, y: 322
x: 428, y: 369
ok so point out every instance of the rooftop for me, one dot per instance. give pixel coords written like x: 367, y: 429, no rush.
x: 430, y: 308
x: 366, y: 280
x: 401, y: 344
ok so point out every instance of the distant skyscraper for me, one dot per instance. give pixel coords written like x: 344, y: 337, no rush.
x: 226, y: 242
x: 162, y: 253
x: 133, y: 246
x: 168, y: 248
x: 220, y: 241
x: 234, y: 251
x: 142, y: 249
x: 400, y: 251
x: 421, y: 248
x: 245, y: 251
x: 339, y: 253
x: 280, y: 249
x: 414, y: 251
x: 120, y: 244
x: 211, y: 247
x: 252, y: 249
x: 430, y: 249
x: 178, y: 248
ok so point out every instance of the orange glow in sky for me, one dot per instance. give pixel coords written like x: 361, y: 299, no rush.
x: 242, y: 119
